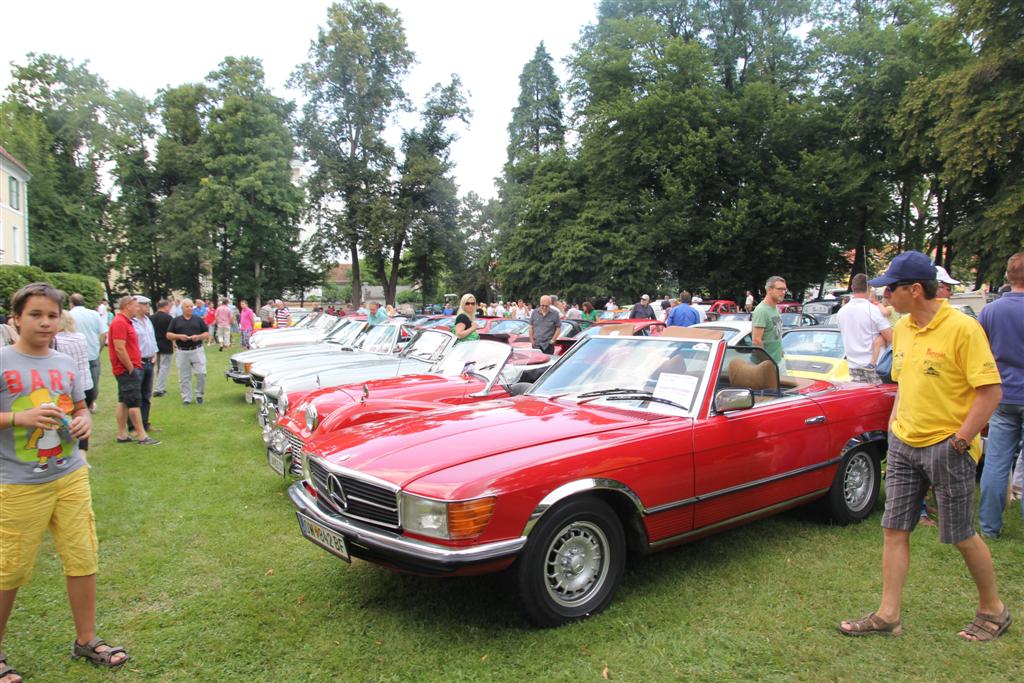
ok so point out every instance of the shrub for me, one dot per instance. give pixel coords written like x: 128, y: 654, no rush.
x: 13, y: 278
x: 86, y: 285
x: 410, y: 296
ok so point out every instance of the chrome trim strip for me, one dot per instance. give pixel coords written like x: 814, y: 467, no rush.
x: 355, y: 474
x: 867, y: 437
x: 382, y: 540
x: 740, y: 487
x: 739, y: 518
x: 575, y: 487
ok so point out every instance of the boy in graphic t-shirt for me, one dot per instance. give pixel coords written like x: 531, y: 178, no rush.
x: 44, y: 482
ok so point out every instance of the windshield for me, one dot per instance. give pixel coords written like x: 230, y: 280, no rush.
x: 380, y: 339
x: 668, y: 369
x: 511, y: 327
x: 811, y: 342
x: 792, y: 319
x: 427, y: 344
x: 320, y: 322
x: 347, y: 333
x: 485, y: 358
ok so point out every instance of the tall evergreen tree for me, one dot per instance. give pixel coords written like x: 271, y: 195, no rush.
x: 537, y: 124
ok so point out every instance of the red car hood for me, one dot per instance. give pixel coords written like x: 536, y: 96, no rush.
x: 403, y: 449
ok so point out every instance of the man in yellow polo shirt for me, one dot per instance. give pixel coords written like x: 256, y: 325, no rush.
x: 948, y: 389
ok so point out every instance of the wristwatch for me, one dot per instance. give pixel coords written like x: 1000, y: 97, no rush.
x: 960, y: 444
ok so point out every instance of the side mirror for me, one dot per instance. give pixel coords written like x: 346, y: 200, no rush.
x: 728, y: 400
x: 519, y: 388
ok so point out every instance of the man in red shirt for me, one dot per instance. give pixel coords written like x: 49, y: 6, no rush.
x: 126, y: 362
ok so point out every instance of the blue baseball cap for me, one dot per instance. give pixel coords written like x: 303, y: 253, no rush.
x: 908, y: 266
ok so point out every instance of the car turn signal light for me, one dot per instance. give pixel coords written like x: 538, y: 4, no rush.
x: 468, y: 519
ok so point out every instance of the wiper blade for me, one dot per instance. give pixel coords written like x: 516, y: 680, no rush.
x: 630, y: 395
x: 608, y: 392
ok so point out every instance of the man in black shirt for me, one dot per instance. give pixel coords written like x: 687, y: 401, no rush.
x: 188, y: 332
x: 164, y: 348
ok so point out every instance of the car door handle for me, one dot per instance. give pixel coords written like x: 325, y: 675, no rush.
x: 816, y: 420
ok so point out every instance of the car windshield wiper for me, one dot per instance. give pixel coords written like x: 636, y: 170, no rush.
x: 608, y: 392
x: 630, y: 395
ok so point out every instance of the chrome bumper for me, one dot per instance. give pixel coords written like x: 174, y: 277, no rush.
x: 238, y: 377
x: 387, y: 545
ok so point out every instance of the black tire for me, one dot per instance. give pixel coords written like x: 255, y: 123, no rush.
x: 592, y: 541
x: 854, y: 492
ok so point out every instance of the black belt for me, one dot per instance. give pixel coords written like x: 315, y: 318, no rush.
x: 189, y: 348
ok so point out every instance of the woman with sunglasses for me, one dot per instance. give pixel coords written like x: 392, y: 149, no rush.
x: 465, y: 320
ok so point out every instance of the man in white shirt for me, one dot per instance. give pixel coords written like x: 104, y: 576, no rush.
x: 860, y: 324
x: 94, y: 326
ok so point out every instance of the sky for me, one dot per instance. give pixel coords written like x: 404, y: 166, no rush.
x: 145, y: 46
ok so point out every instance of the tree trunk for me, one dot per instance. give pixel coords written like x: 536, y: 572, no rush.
x: 257, y: 271
x: 357, y: 281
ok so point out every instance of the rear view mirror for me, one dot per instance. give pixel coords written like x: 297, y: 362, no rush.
x: 728, y: 400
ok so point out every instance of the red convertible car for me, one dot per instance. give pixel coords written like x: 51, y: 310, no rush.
x: 626, y: 445
x: 473, y: 371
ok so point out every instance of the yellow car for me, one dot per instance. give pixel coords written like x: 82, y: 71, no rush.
x: 815, y: 352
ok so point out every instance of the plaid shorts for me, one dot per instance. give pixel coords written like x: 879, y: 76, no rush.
x: 910, y: 471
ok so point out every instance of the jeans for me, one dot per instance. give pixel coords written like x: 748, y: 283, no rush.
x: 163, y: 368
x: 147, y: 390
x: 1005, y: 430
x: 191, y: 362
x: 93, y: 394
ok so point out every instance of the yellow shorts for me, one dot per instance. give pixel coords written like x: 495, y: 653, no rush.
x: 26, y: 510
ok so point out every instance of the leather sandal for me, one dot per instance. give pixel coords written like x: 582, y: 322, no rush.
x: 88, y: 651
x: 872, y: 625
x: 987, y: 627
x: 6, y: 670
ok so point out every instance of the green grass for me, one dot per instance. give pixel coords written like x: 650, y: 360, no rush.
x: 204, y: 576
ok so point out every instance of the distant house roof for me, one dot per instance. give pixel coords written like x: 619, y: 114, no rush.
x: 10, y: 157
x: 340, y: 274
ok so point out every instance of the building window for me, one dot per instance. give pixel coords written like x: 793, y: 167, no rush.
x: 14, y: 193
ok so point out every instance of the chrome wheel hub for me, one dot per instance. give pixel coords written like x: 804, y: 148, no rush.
x: 576, y: 563
x: 858, y: 481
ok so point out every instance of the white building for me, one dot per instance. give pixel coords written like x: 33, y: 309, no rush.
x: 13, y: 210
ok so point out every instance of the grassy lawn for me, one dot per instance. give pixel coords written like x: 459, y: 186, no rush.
x: 204, y: 576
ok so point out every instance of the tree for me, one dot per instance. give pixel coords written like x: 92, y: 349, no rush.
x: 352, y: 83
x: 53, y: 121
x: 537, y: 124
x: 140, y: 241
x: 425, y: 203
x: 181, y: 168
x: 250, y: 199
x: 968, y: 120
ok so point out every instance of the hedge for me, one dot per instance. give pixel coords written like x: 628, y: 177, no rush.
x: 13, y: 278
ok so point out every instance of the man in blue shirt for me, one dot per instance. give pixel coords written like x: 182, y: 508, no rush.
x: 148, y: 350
x: 1003, y: 320
x: 684, y: 314
x: 94, y: 327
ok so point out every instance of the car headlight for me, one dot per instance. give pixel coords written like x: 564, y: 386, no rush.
x: 439, y: 519
x: 312, y: 418
x: 279, y: 442
x: 282, y: 402
x: 268, y: 433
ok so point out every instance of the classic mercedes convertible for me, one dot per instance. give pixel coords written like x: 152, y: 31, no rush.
x: 626, y: 445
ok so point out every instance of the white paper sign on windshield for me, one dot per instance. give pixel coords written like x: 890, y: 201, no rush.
x: 676, y: 388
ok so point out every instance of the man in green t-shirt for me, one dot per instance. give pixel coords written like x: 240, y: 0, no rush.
x: 767, y: 322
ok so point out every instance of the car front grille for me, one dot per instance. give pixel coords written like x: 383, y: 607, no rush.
x: 363, y: 500
x: 294, y: 441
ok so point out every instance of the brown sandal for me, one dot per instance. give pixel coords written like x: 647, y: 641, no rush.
x: 987, y: 627
x: 98, y: 658
x: 871, y: 625
x: 6, y: 670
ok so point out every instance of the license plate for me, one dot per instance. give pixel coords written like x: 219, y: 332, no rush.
x: 330, y: 541
x: 276, y: 461
x: 248, y: 396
